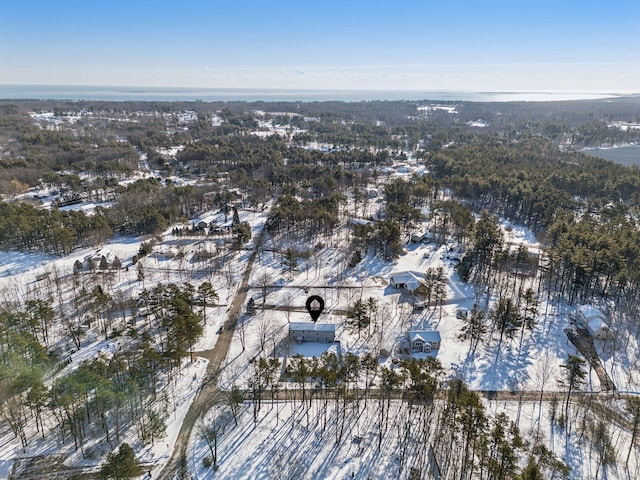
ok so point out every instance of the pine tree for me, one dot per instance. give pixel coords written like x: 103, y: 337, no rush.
x: 574, y: 377
x: 358, y: 316
x: 121, y: 465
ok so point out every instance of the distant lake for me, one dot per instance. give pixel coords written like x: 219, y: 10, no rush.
x: 119, y: 93
x: 629, y: 155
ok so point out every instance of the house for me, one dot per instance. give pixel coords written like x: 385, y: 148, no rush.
x: 408, y: 281
x: 205, y: 222
x: 419, y: 341
x: 312, y: 332
x: 96, y: 257
x: 425, y: 237
x: 423, y: 340
x: 359, y: 221
x: 585, y: 313
x: 593, y: 320
x: 599, y: 330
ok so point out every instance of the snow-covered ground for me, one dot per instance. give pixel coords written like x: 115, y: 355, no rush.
x: 290, y: 441
x: 248, y: 449
x: 510, y: 365
x: 25, y: 274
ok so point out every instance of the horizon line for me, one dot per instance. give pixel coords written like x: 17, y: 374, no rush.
x: 620, y: 92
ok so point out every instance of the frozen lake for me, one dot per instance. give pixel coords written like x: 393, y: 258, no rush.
x: 629, y: 155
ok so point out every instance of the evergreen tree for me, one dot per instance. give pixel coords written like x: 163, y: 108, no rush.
x: 574, y: 375
x: 121, y: 465
x: 358, y: 316
x: 474, y: 327
x: 531, y: 471
x: 506, y: 317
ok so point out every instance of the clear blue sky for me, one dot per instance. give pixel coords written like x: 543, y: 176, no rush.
x: 519, y: 45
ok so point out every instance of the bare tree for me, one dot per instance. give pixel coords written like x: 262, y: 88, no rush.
x: 211, y: 431
x: 541, y: 376
x: 632, y: 407
x: 241, y: 331
x: 264, y: 281
x: 287, y: 301
x: 14, y: 413
x: 264, y: 327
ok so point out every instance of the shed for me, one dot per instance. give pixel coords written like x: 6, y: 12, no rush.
x: 312, y: 332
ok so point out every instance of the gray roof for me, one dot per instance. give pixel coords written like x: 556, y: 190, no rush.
x: 424, y: 335
x: 310, y: 326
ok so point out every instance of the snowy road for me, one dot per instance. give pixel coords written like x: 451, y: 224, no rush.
x: 209, y: 393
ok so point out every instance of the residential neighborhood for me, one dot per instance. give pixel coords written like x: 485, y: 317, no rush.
x: 259, y: 282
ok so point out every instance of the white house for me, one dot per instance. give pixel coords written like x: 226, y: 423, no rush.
x: 312, y: 332
x: 598, y: 329
x: 423, y: 341
x: 409, y: 280
x: 96, y: 257
x: 593, y: 320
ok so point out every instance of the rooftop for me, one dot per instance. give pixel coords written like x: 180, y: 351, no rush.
x: 424, y: 335
x: 310, y: 326
x: 589, y: 311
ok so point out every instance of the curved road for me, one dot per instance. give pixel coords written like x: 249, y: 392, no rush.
x: 209, y: 393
